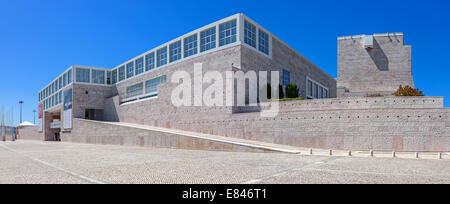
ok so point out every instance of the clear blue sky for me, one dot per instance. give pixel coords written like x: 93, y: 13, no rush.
x: 41, y: 39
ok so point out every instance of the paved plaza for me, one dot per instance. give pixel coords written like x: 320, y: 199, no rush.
x: 51, y: 162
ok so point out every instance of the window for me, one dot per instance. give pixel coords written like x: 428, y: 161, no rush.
x: 190, y: 46
x: 310, y: 88
x: 286, y: 77
x: 161, y: 56
x: 69, y: 77
x: 227, y: 33
x: 65, y: 80
x: 53, y: 88
x: 60, y: 83
x: 175, y: 51
x: 98, y: 77
x: 150, y: 61
x: 114, y: 76
x: 130, y: 70
x: 250, y: 34
x: 121, y: 73
x: 83, y: 75
x: 108, y: 77
x: 135, y: 90
x: 60, y: 97
x: 263, y: 42
x: 316, y: 90
x: 151, y: 86
x: 139, y: 66
x: 208, y: 39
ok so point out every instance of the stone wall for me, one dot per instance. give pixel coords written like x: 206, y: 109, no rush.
x: 31, y: 133
x: 115, y: 134
x: 381, y: 69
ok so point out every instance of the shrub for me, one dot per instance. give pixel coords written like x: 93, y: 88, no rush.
x: 408, y: 91
x: 292, y: 91
x: 280, y: 92
x: 292, y: 99
x: 374, y: 95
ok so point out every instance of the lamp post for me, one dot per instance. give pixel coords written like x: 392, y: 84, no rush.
x: 34, y: 117
x: 20, y: 102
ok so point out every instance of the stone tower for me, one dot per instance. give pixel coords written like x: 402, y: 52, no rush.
x: 373, y: 64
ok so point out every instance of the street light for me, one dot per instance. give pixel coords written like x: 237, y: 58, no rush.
x: 34, y: 117
x: 20, y: 102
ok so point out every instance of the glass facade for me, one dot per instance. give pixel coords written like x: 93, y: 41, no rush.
x: 263, y: 42
x: 151, y: 86
x: 175, y: 51
x: 208, y: 39
x: 286, y: 77
x: 130, y: 70
x: 121, y: 73
x: 135, y: 90
x: 190, y: 46
x: 139, y: 66
x: 315, y: 90
x: 98, y: 77
x: 69, y: 77
x: 161, y: 56
x: 114, y: 76
x: 227, y: 33
x: 82, y: 75
x: 150, y: 61
x: 250, y: 34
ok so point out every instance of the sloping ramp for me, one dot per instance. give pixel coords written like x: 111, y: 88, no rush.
x: 118, y: 133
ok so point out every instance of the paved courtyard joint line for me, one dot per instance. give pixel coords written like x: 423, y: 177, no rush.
x: 52, y: 162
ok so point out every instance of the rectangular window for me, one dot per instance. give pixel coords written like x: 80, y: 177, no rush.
x: 151, y: 86
x: 321, y: 92
x: 65, y: 80
x: 161, y: 56
x: 121, y: 73
x: 190, y: 46
x: 130, y: 70
x: 175, y: 51
x: 316, y: 91
x: 83, y: 75
x: 139, y: 66
x: 250, y: 34
x: 108, y: 77
x: 98, y: 77
x: 60, y: 83
x: 60, y: 97
x: 135, y: 90
x: 263, y: 42
x: 208, y: 39
x: 69, y: 77
x: 150, y: 61
x: 286, y: 77
x: 310, y: 88
x: 227, y: 33
x: 114, y: 76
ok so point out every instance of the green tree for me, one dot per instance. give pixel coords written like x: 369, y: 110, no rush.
x: 292, y: 91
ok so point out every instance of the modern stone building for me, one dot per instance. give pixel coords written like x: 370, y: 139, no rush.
x: 131, y: 104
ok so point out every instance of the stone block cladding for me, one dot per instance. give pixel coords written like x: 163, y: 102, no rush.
x: 381, y: 69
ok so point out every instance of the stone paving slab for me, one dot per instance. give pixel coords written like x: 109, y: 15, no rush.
x: 50, y: 162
